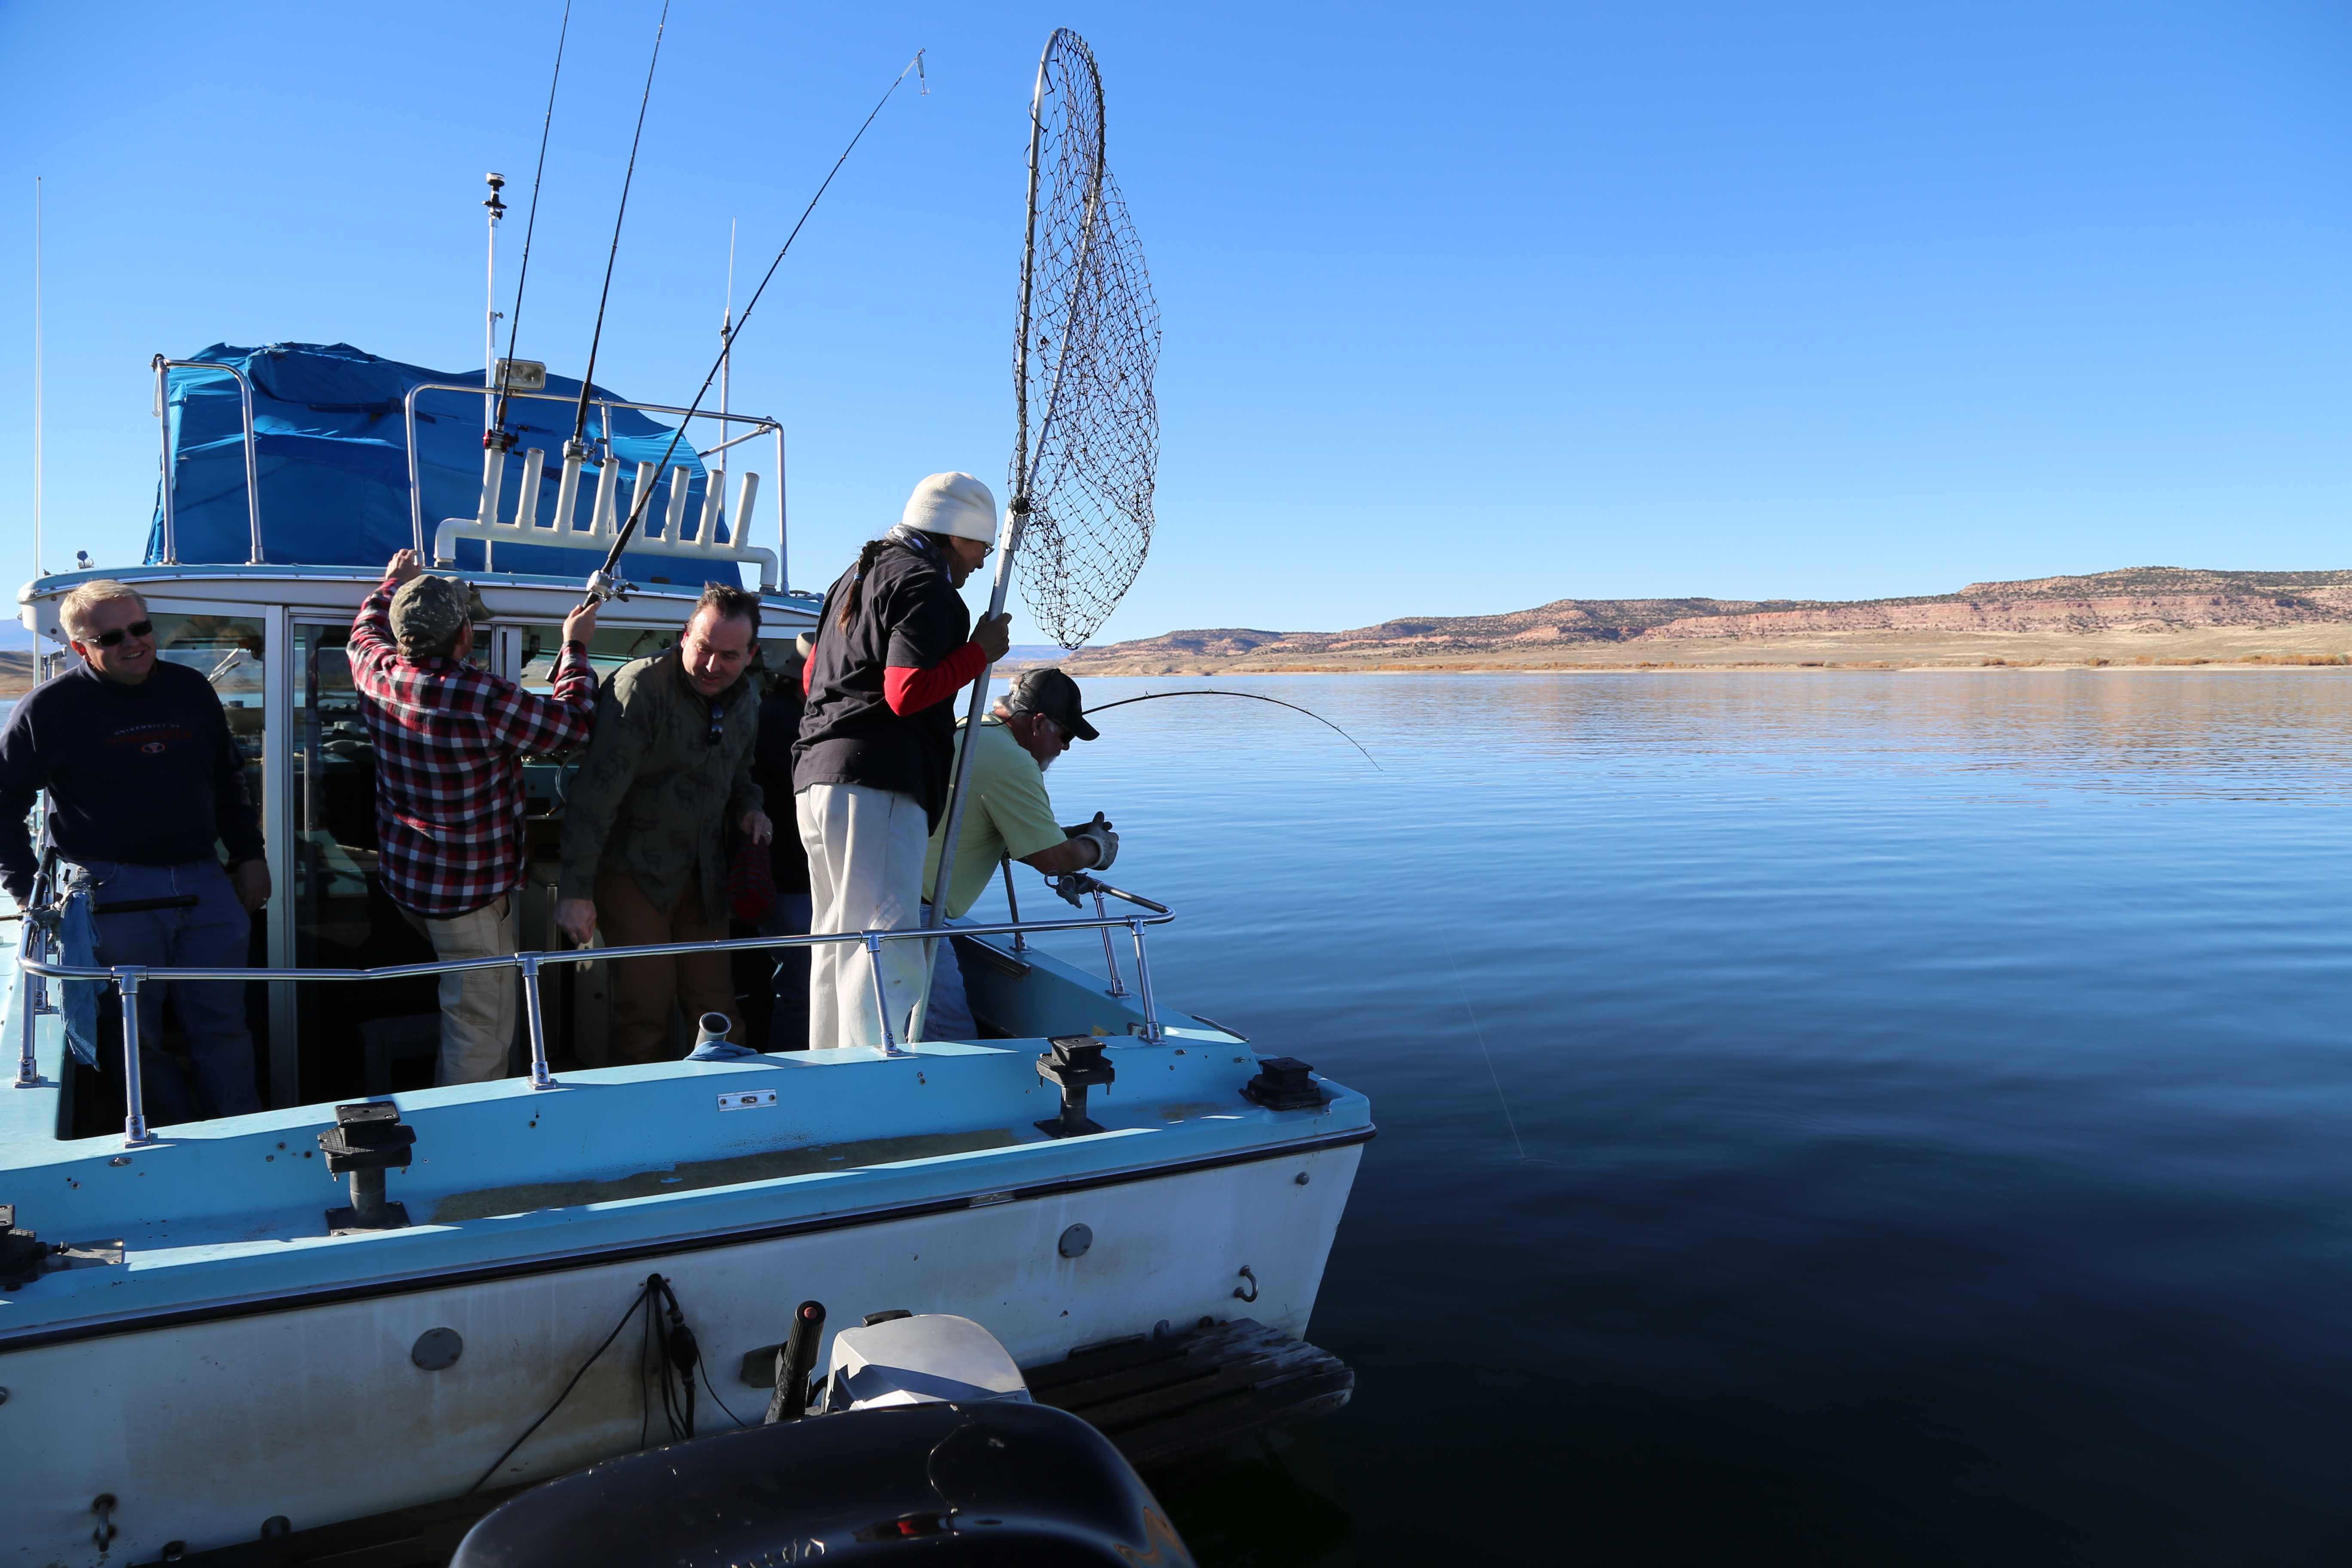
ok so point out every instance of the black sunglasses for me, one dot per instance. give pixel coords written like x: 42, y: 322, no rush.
x: 718, y: 721
x: 114, y: 638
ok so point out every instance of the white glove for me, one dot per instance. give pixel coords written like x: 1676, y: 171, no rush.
x: 1106, y: 843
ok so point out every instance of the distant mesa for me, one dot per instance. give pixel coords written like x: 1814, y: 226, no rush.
x: 2148, y: 615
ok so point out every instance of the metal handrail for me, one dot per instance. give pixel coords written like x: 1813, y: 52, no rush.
x: 416, y: 489
x: 163, y: 368
x: 129, y: 978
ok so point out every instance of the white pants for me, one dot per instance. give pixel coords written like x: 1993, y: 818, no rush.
x: 478, y: 1007
x: 866, y: 849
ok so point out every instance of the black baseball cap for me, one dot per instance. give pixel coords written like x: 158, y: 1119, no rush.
x: 1055, y: 695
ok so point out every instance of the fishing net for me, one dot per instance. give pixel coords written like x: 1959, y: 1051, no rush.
x: 1088, y: 343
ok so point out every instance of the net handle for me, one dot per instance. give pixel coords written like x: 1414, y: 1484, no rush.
x: 1008, y: 539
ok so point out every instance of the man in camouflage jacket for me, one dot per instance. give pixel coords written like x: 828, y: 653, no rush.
x: 644, y: 828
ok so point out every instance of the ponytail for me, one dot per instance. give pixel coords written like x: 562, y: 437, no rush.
x: 849, y: 601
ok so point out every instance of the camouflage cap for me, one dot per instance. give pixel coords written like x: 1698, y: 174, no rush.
x: 428, y: 610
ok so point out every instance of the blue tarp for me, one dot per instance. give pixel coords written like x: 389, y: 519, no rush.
x: 334, y: 468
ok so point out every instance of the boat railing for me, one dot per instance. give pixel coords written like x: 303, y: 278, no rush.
x: 164, y: 369
x: 127, y: 978
x: 488, y: 525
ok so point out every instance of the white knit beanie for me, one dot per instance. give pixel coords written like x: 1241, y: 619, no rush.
x: 953, y: 503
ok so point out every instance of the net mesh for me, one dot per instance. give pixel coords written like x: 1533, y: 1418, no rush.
x: 1089, y: 344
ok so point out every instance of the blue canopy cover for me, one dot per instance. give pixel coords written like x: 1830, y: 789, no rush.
x: 334, y: 466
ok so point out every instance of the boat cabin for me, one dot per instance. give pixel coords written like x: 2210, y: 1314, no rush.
x: 274, y: 518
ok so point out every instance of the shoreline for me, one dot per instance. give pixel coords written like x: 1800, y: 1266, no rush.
x: 2012, y: 667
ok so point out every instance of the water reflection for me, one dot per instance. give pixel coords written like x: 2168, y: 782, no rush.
x: 1931, y: 1087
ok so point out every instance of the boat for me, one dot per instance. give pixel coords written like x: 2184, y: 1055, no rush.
x: 370, y: 1303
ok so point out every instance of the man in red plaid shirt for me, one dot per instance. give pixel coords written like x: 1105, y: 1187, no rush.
x: 449, y: 739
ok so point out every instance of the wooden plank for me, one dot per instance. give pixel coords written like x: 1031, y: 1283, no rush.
x: 1201, y: 1356
x: 1201, y: 1431
x: 1078, y: 1397
x: 1095, y: 1363
x: 1177, y: 1397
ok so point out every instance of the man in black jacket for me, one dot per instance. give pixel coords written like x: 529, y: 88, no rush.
x: 892, y: 647
x: 143, y: 778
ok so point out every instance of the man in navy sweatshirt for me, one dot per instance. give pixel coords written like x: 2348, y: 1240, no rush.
x: 143, y: 779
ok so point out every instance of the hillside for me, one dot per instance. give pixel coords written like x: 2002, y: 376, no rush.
x: 2146, y: 615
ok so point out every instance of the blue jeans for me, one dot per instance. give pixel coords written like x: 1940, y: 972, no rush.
x: 212, y: 933
x: 788, y: 1025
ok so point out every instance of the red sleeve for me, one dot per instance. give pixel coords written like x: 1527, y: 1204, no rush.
x: 912, y: 691
x: 808, y: 673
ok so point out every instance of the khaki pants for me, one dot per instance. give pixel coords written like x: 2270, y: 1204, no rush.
x: 477, y: 1007
x: 865, y: 850
x: 646, y: 989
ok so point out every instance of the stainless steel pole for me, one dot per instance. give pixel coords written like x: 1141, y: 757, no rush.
x: 28, y: 1067
x: 1143, y: 986
x: 163, y: 424
x: 1110, y: 961
x: 1013, y: 903
x: 252, y: 466
x: 135, y: 1094
x: 539, y: 1076
x: 1016, y: 511
x: 881, y: 997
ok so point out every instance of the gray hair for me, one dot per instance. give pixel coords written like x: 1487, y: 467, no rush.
x: 75, y: 607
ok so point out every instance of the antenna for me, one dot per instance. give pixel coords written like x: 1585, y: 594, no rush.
x: 530, y: 223
x: 490, y: 312
x: 726, y: 348
x: 37, y: 377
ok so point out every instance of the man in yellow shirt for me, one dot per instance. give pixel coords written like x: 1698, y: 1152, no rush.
x: 1007, y: 812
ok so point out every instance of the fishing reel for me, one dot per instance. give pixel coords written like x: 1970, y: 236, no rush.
x: 603, y: 588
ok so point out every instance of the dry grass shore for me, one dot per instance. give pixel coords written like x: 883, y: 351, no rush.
x: 2292, y: 646
x: 15, y: 673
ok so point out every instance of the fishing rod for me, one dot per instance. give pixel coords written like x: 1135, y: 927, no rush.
x: 602, y: 585
x: 531, y: 224
x: 587, y: 383
x: 1254, y: 697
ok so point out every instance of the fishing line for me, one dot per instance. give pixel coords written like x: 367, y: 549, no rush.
x: 602, y: 578
x: 1254, y: 697
x: 580, y: 420
x: 522, y: 278
x: 1480, y: 1034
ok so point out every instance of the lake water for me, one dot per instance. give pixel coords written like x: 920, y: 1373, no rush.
x: 1850, y: 1118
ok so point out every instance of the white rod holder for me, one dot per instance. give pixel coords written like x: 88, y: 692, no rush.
x: 714, y: 503
x: 526, y: 491
x: 742, y: 529
x: 675, y: 520
x: 567, y: 488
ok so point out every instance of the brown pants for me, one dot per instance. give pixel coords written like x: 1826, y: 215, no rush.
x: 645, y: 989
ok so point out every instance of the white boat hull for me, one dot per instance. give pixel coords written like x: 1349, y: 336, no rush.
x: 315, y: 1414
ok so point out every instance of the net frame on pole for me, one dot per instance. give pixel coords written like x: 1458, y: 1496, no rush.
x: 1087, y: 338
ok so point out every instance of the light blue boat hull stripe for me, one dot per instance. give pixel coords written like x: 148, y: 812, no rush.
x: 622, y: 1252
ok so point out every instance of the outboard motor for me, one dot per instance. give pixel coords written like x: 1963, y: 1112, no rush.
x: 925, y: 1444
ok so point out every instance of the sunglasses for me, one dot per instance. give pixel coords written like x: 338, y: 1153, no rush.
x: 114, y: 638
x: 718, y: 722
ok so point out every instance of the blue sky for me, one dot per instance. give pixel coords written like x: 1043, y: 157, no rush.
x: 1465, y: 309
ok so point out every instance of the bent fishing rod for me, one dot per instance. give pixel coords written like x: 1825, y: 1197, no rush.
x: 1254, y: 697
x: 603, y: 585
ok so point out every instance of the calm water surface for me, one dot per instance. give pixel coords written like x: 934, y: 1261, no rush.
x: 1840, y: 1119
